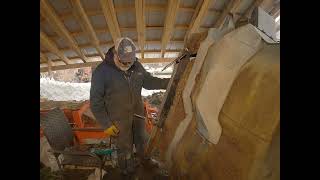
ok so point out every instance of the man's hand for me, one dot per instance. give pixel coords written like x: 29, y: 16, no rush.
x: 112, y: 131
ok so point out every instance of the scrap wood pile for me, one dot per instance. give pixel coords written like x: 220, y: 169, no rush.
x: 155, y: 99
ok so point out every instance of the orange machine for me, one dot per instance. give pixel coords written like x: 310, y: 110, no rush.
x: 151, y: 113
x: 84, y: 126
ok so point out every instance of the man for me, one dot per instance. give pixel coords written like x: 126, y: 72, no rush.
x: 115, y: 97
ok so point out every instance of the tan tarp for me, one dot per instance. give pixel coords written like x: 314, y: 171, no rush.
x: 224, y: 60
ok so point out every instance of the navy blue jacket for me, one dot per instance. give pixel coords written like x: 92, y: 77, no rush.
x: 116, y: 95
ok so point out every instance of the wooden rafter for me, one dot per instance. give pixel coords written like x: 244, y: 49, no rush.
x: 47, y: 11
x: 128, y: 29
x: 48, y: 44
x: 197, y: 18
x: 49, y: 63
x: 84, y: 21
x: 70, y: 66
x: 89, y: 64
x: 172, y: 9
x: 234, y: 9
x: 111, y: 18
x: 229, y: 7
x: 156, y: 60
x: 109, y: 43
x: 248, y: 12
x: 130, y: 8
x: 140, y: 19
x: 43, y: 58
x: 145, y: 51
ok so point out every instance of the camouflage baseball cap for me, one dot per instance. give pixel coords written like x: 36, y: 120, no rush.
x: 125, y: 49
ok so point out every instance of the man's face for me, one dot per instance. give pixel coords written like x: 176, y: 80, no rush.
x: 124, y: 66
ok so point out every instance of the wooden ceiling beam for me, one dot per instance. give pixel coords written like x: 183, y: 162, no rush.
x: 145, y: 51
x: 48, y: 12
x: 109, y: 43
x: 50, y: 46
x: 172, y: 9
x: 248, y: 12
x: 140, y: 19
x: 128, y: 29
x: 231, y: 6
x: 84, y: 21
x: 156, y: 60
x: 95, y: 63
x: 126, y: 8
x: 198, y: 16
x: 111, y: 18
x: 70, y: 66
x: 43, y: 58
x: 49, y: 63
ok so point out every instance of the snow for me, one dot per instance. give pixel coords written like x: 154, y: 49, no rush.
x: 66, y: 91
x: 145, y: 92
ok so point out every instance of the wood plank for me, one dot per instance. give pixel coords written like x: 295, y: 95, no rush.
x: 43, y: 57
x: 70, y: 66
x: 95, y: 63
x: 186, y: 9
x: 140, y: 19
x: 156, y: 60
x: 172, y: 10
x: 52, y: 47
x: 248, y: 12
x: 84, y: 21
x: 225, y: 12
x: 110, y: 43
x: 128, y: 29
x: 198, y: 16
x: 146, y: 52
x: 111, y: 18
x: 48, y: 13
x: 129, y: 8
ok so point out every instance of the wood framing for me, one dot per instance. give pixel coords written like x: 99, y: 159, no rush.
x: 172, y: 10
x: 156, y: 60
x: 140, y: 20
x: 70, y: 66
x: 128, y: 29
x: 48, y: 13
x: 84, y: 21
x: 127, y: 8
x: 225, y: 12
x: 111, y: 18
x: 50, y: 46
x: 89, y: 64
x: 197, y: 18
x: 81, y: 25
x: 43, y: 58
x: 255, y: 4
x: 109, y: 43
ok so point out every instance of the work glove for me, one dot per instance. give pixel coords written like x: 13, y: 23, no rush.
x: 112, y: 131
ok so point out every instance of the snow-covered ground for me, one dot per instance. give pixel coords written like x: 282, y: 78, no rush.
x: 66, y: 91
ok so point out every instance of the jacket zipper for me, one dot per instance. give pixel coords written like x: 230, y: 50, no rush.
x: 128, y: 78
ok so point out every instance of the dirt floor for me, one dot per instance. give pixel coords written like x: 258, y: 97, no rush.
x: 142, y: 173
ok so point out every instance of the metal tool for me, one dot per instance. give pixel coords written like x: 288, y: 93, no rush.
x: 177, y: 60
x: 139, y: 116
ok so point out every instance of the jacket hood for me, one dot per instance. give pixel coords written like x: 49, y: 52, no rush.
x: 109, y: 57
